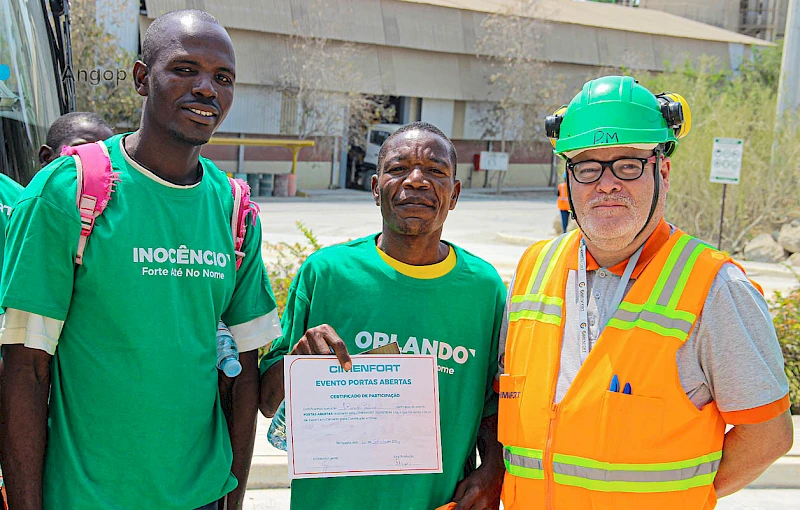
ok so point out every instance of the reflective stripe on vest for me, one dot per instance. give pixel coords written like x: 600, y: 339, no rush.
x: 524, y: 462
x: 534, y: 305
x: 610, y: 477
x: 659, y: 314
x: 659, y: 320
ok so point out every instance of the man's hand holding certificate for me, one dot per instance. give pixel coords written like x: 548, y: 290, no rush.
x: 379, y: 418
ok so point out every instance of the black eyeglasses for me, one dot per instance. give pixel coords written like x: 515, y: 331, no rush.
x: 625, y: 169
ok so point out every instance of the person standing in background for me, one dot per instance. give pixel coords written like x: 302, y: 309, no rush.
x: 563, y: 205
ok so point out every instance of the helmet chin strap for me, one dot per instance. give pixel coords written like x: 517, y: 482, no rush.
x: 656, y: 188
x: 659, y: 153
x: 572, y: 206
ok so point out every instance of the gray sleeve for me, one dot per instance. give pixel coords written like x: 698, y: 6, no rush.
x: 501, y: 348
x: 736, y: 346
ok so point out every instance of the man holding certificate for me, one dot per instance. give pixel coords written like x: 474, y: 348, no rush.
x: 403, y: 285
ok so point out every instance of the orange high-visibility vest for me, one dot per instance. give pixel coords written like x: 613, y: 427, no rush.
x: 598, y: 449
x: 563, y: 200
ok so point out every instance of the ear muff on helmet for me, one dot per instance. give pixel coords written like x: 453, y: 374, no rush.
x: 676, y: 112
x: 687, y: 115
x: 552, y: 124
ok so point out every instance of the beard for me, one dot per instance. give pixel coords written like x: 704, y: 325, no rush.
x: 613, y: 230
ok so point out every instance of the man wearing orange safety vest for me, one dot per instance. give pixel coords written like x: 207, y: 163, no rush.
x: 563, y: 205
x: 629, y: 345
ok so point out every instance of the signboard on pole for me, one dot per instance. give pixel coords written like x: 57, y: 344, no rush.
x: 726, y: 160
x: 494, y: 161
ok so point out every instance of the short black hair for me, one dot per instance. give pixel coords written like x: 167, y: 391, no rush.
x: 63, y: 128
x: 153, y: 37
x: 418, y: 126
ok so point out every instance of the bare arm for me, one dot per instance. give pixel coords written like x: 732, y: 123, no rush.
x: 272, y: 391
x: 319, y: 340
x: 481, y: 489
x: 25, y: 388
x: 748, y: 450
x: 239, y: 397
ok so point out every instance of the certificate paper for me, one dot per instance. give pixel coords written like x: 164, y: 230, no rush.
x: 380, y: 418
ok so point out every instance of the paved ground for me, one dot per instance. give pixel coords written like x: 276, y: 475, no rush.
x: 748, y: 499
x: 496, y: 229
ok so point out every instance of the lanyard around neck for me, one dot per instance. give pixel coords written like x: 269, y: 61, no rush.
x: 583, y: 299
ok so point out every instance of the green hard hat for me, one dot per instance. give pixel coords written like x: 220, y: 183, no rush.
x: 616, y: 110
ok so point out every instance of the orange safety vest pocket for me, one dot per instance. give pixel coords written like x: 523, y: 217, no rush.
x: 628, y: 423
x: 511, y: 387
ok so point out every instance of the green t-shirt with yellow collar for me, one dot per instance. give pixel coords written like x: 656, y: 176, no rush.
x: 452, y: 309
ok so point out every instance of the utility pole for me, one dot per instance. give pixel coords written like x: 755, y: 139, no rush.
x: 789, y: 87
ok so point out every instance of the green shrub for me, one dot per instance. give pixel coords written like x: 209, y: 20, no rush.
x: 742, y: 105
x: 284, y: 262
x: 786, y: 309
x: 288, y: 259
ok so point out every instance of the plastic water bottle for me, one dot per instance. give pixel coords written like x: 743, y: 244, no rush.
x: 277, y: 429
x: 227, y: 355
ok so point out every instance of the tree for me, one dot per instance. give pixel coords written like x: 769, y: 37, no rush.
x: 310, y: 70
x: 102, y: 69
x: 365, y: 111
x: 725, y: 104
x: 520, y: 78
x: 320, y: 81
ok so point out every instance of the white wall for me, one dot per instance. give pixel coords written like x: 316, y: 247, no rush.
x: 256, y: 110
x: 439, y: 112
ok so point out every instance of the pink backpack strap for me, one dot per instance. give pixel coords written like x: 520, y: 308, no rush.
x: 96, y: 182
x: 242, y: 206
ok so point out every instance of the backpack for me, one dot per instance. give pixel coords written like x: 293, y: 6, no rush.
x: 96, y: 182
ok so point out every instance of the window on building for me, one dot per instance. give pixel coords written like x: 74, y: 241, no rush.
x: 378, y: 137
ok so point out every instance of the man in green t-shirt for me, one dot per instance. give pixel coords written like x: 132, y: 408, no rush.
x: 70, y: 129
x: 405, y: 285
x: 73, y: 129
x: 124, y: 344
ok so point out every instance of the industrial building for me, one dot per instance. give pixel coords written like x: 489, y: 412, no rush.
x: 423, y: 55
x: 765, y: 19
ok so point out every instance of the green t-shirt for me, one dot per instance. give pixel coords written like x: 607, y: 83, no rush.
x: 457, y: 316
x: 10, y: 190
x: 135, y: 419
